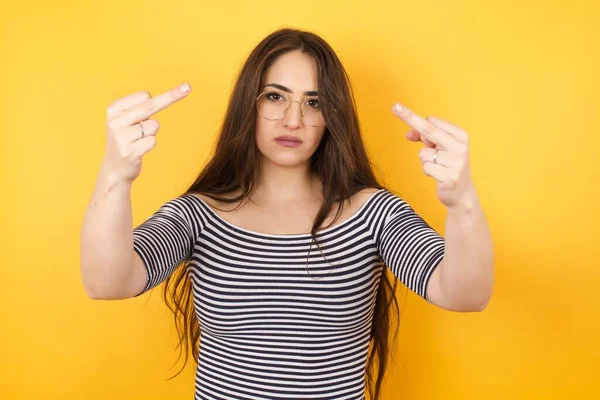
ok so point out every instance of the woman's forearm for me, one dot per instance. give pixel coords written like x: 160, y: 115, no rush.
x: 467, y: 270
x: 107, y: 238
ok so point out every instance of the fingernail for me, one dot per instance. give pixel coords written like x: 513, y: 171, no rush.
x: 184, y: 88
x: 398, y: 108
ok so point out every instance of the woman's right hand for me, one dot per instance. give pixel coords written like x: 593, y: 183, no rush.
x: 125, y: 145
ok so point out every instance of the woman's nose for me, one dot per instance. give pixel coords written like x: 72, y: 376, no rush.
x: 293, y: 116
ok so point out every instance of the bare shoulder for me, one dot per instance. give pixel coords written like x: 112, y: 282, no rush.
x: 220, y: 205
x: 358, y: 199
x: 363, y: 195
x: 369, y: 191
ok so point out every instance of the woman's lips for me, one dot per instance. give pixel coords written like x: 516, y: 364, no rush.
x: 288, y: 143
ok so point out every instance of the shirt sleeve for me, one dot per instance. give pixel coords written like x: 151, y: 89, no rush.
x: 409, y: 247
x: 165, y: 240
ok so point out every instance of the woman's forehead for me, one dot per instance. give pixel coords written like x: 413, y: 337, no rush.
x: 296, y: 71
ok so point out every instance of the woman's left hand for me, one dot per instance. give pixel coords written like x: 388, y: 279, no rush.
x: 451, y: 170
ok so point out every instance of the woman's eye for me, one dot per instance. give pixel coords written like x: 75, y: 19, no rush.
x: 275, y: 96
x: 314, y: 103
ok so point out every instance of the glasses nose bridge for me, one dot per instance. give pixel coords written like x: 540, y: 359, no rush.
x: 290, y: 106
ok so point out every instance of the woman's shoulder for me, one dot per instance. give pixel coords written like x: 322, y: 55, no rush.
x: 368, y: 191
x: 219, y: 204
x: 364, y: 194
x: 359, y: 199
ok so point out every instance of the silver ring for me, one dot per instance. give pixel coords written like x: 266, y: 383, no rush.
x: 435, y: 156
x: 142, y: 129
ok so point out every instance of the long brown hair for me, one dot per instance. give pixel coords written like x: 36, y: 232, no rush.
x: 340, y: 162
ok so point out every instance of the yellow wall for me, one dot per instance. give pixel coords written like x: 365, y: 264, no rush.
x: 519, y: 76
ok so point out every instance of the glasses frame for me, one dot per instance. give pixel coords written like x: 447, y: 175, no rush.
x: 287, y: 108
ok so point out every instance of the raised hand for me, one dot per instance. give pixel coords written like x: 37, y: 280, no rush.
x: 129, y: 132
x: 445, y: 156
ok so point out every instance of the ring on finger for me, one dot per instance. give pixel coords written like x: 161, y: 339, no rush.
x: 142, y: 129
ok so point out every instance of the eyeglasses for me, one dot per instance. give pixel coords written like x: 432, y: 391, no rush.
x: 274, y: 105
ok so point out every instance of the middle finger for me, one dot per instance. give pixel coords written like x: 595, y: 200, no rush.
x: 414, y: 136
x: 429, y: 131
x: 153, y: 105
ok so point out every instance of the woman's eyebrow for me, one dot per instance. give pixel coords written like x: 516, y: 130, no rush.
x: 288, y: 90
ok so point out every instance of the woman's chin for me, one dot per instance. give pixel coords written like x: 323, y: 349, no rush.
x: 286, y: 160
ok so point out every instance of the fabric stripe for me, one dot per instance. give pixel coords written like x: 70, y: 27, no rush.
x: 269, y: 330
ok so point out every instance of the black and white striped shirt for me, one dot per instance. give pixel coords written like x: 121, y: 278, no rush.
x: 269, y: 330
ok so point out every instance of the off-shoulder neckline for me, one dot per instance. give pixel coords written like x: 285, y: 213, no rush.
x: 288, y: 235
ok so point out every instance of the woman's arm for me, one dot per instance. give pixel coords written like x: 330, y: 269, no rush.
x: 108, y: 270
x: 464, y: 279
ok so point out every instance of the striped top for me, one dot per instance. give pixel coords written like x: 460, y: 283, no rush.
x: 270, y: 329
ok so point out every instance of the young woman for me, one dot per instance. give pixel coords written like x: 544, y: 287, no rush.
x: 276, y: 257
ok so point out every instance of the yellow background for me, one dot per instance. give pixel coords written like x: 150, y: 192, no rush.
x: 520, y: 76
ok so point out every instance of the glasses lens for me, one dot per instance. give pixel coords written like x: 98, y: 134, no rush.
x: 272, y: 105
x: 313, y: 115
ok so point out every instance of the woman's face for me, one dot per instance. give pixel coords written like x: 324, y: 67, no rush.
x: 293, y: 76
